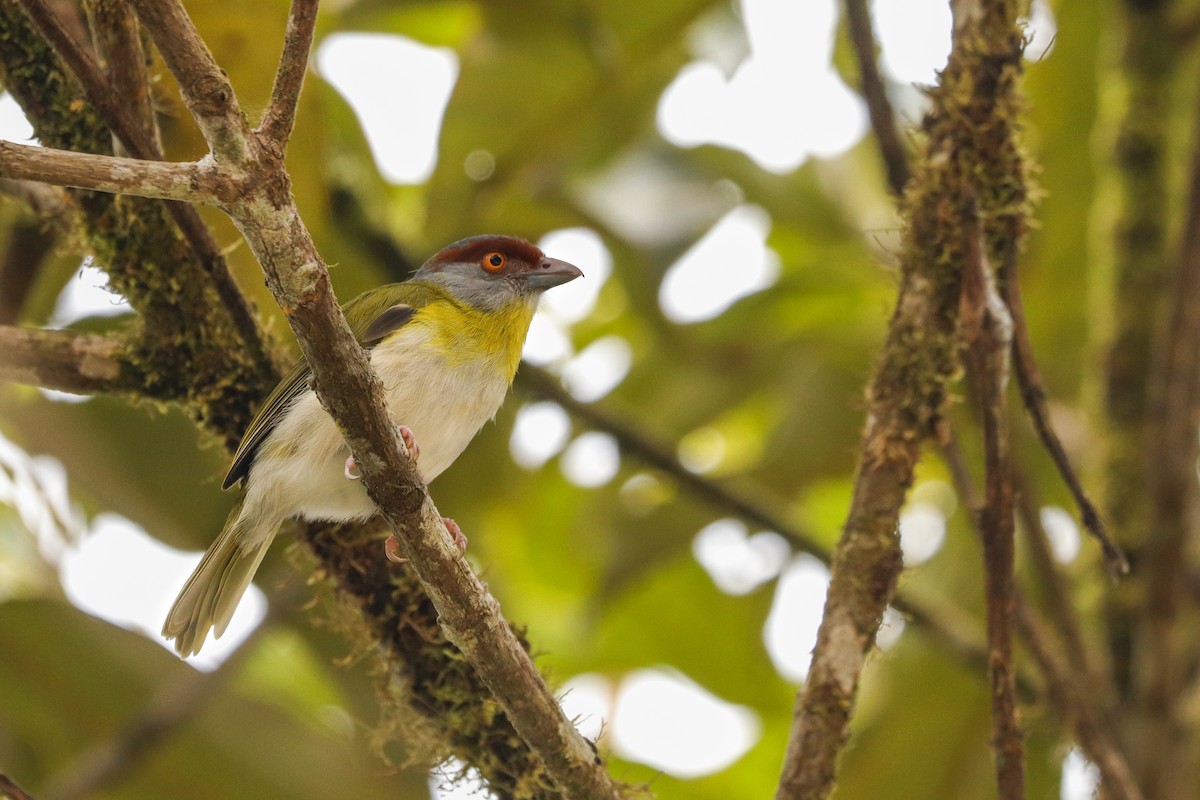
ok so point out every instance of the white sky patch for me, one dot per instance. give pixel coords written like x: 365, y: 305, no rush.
x: 1041, y: 29
x: 598, y: 369
x: 121, y: 574
x: 584, y: 248
x: 890, y: 629
x: 782, y: 104
x: 728, y: 263
x: 791, y: 630
x: 591, y: 460
x: 13, y: 125
x: 87, y: 295
x: 539, y: 433
x: 1062, y: 533
x: 587, y: 701
x: 669, y: 722
x: 37, y: 488
x: 546, y: 343
x: 922, y: 531
x: 399, y: 89
x: 1080, y: 778
x: 737, y: 562
x: 914, y: 38
x: 470, y: 787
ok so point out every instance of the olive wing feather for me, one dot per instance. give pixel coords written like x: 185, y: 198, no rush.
x: 378, y: 315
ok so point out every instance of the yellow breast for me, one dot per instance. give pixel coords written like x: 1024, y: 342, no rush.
x: 461, y: 333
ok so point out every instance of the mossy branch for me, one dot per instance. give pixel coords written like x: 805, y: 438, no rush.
x: 263, y: 209
x: 969, y: 156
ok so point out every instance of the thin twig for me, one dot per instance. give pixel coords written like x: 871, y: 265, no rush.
x: 140, y: 144
x: 1078, y: 707
x: 280, y: 116
x: 1069, y: 691
x: 987, y: 330
x: 10, y: 789
x: 655, y: 454
x: 879, y: 107
x: 1050, y: 580
x: 1034, y: 397
x: 199, y: 181
x: 106, y: 762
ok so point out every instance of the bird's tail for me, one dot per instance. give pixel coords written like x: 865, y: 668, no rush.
x: 210, y: 596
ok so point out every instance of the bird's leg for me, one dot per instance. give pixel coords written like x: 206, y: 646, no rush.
x: 391, y: 547
x: 414, y: 451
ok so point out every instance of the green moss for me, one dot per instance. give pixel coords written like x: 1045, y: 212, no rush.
x: 186, y: 347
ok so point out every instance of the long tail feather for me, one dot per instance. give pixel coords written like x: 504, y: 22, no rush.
x: 211, y: 595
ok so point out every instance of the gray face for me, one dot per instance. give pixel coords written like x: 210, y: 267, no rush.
x: 491, y: 272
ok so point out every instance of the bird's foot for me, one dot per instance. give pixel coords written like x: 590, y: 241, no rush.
x: 414, y: 449
x: 391, y: 547
x: 460, y: 538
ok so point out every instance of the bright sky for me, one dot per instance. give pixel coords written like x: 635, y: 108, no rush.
x: 780, y: 105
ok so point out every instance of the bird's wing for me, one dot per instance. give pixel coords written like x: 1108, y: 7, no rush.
x: 372, y: 329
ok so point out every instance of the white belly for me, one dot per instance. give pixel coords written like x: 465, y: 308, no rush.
x: 299, y: 469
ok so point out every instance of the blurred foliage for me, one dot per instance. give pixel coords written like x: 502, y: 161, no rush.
x: 563, y: 98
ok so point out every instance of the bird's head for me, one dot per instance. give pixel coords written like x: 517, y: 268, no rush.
x: 491, y: 272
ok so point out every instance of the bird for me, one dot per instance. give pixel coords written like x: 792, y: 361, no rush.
x: 446, y: 344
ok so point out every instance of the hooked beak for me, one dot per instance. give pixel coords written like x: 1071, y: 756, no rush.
x: 550, y: 273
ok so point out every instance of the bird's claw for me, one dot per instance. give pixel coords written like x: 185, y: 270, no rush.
x: 414, y: 451
x: 391, y: 547
x: 460, y: 538
x: 410, y: 441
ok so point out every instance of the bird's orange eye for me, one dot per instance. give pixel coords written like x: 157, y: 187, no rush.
x: 494, y: 261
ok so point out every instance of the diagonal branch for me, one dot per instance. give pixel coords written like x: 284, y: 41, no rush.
x: 351, y: 392
x: 656, y: 455
x: 879, y: 107
x: 205, y: 86
x: 116, y: 35
x: 1034, y: 397
x: 280, y: 116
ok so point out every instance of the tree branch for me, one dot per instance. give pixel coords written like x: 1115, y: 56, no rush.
x: 963, y: 160
x: 205, y: 86
x: 67, y: 361
x: 879, y: 107
x: 1034, y: 397
x: 139, y: 139
x: 1070, y: 696
x: 987, y: 330
x: 106, y: 762
x: 349, y: 390
x: 276, y: 124
x: 117, y: 38
x: 10, y: 789
x: 198, y: 181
